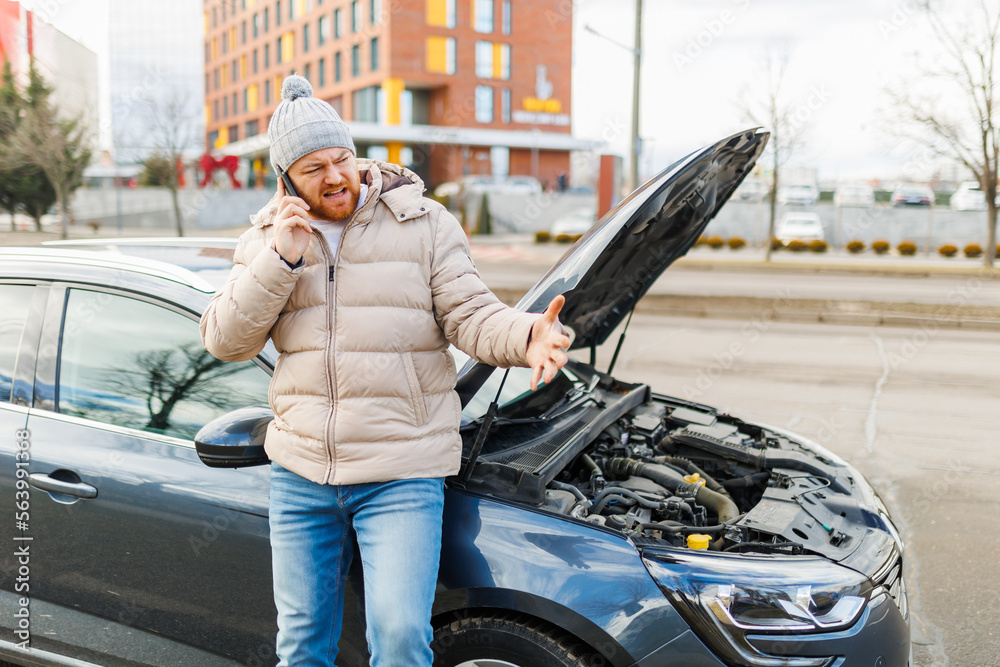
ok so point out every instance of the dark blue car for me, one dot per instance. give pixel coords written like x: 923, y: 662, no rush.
x: 595, y: 522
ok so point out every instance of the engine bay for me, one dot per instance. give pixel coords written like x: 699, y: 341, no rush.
x: 668, y: 472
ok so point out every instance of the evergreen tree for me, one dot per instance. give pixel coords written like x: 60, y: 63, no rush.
x: 157, y: 171
x: 34, y: 192
x: 58, y: 147
x: 11, y: 104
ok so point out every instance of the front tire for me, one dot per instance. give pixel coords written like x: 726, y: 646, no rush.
x: 508, y: 640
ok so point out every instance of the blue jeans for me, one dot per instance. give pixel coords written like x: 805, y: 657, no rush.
x: 398, y: 527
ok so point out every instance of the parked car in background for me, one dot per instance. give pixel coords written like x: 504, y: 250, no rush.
x: 968, y: 197
x: 912, y: 194
x: 595, y: 521
x: 802, y: 194
x: 517, y: 185
x: 800, y: 227
x: 854, y: 195
x: 447, y: 189
x: 752, y: 190
x: 574, y: 224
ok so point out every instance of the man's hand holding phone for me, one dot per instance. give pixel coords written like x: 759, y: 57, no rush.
x: 292, y: 230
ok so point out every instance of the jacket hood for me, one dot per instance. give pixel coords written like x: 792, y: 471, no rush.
x: 397, y: 187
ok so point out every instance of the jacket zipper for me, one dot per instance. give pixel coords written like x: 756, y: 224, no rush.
x: 328, y: 354
x: 331, y: 293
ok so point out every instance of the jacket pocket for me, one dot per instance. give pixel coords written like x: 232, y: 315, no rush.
x: 416, y: 395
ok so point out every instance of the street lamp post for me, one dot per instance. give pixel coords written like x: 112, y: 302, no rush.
x: 635, y: 145
x: 633, y: 166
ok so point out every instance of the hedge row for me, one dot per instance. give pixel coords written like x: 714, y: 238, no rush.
x: 854, y: 247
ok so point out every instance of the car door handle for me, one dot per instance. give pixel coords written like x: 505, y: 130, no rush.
x: 46, y: 483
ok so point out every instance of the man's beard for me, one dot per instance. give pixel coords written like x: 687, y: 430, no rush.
x: 337, y: 209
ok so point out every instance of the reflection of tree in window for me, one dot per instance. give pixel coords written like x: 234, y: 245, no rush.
x: 132, y: 363
x: 166, y: 377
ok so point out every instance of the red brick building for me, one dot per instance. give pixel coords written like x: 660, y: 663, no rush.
x: 445, y: 87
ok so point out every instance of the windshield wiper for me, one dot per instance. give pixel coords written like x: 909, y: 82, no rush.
x: 502, y: 421
x: 570, y: 396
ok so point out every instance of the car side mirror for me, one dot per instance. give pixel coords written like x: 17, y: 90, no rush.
x: 234, y: 440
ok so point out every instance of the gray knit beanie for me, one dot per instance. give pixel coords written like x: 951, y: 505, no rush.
x: 302, y: 124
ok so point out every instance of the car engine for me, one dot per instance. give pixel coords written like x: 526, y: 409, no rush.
x: 693, y: 478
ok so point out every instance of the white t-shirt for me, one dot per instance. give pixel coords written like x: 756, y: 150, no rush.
x: 332, y: 230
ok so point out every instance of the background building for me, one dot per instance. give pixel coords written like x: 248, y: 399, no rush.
x: 445, y: 87
x: 154, y: 58
x: 66, y: 65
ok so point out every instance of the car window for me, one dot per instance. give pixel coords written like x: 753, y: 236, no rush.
x: 14, y: 302
x: 132, y: 363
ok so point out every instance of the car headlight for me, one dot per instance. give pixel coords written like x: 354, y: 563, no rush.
x: 727, y: 599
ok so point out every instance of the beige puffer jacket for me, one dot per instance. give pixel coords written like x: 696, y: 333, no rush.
x: 365, y: 391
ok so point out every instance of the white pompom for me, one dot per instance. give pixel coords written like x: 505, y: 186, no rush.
x: 295, y: 87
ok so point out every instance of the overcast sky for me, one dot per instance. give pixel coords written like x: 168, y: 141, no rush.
x: 700, y: 57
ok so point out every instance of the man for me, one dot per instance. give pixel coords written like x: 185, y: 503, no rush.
x: 361, y: 283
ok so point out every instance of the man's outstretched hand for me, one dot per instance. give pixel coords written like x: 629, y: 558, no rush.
x: 547, y: 349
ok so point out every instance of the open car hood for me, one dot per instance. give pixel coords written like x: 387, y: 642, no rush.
x: 614, y: 264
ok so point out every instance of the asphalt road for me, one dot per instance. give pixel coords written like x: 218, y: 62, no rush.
x: 914, y: 410
x: 823, y: 285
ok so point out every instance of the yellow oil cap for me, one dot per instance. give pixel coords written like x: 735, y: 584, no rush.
x: 698, y: 541
x: 694, y: 478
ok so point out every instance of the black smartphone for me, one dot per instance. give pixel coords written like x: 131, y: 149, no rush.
x: 289, y: 190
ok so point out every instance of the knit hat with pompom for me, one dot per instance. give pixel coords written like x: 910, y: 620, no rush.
x: 302, y: 124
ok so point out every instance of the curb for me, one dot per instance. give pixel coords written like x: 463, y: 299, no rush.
x: 902, y: 268
x: 846, y: 313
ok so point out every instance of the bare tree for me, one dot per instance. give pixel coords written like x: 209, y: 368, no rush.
x: 967, y: 132
x: 166, y: 377
x: 768, y: 103
x: 170, y: 130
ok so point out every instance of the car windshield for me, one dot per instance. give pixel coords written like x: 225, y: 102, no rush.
x: 517, y: 400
